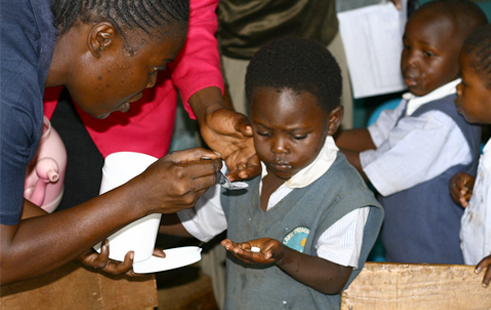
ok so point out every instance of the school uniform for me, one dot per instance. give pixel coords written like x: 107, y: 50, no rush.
x: 420, y: 145
x: 324, y: 210
x: 475, y: 233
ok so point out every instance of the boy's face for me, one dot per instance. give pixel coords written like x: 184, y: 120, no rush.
x: 289, y: 129
x: 429, y: 57
x: 115, y: 79
x: 474, y: 99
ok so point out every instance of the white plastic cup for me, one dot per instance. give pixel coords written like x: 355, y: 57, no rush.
x: 140, y: 235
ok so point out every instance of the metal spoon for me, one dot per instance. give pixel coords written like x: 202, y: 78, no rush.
x: 225, y: 182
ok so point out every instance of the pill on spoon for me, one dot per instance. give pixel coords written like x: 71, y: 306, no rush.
x: 255, y: 249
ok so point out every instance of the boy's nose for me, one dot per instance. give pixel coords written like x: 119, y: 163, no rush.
x: 412, y: 60
x: 279, y: 147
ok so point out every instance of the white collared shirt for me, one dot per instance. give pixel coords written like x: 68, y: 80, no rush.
x: 341, y: 243
x: 475, y: 233
x: 413, y: 150
x: 414, y: 102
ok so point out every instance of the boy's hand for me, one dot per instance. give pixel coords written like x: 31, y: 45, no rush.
x: 230, y: 133
x: 262, y: 251
x: 101, y: 261
x: 461, y: 185
x: 485, y: 263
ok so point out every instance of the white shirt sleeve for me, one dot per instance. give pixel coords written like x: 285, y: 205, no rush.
x: 387, y: 120
x: 341, y: 243
x: 206, y: 219
x: 416, y: 150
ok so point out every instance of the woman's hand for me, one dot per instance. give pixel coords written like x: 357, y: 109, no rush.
x: 101, y: 261
x: 174, y: 182
x: 230, y: 134
x: 226, y: 132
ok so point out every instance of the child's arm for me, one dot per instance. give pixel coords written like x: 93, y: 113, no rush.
x: 354, y: 140
x: 172, y: 226
x: 461, y: 185
x: 351, y: 143
x: 316, y: 272
x: 485, y: 263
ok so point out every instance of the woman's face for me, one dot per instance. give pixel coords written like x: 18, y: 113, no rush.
x: 117, y: 78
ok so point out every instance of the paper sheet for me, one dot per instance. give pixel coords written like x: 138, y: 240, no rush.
x: 372, y: 40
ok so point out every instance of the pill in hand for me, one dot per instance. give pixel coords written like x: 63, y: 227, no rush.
x: 255, y: 249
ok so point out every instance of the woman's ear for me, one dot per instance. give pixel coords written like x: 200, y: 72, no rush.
x: 335, y: 119
x: 101, y: 36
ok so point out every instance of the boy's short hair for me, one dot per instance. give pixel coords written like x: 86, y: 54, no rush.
x: 478, y: 46
x: 466, y: 16
x: 151, y: 16
x: 296, y: 64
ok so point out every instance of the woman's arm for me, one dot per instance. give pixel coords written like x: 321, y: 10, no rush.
x: 42, y: 243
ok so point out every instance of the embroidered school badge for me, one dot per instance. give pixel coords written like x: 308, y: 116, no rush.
x: 297, y: 238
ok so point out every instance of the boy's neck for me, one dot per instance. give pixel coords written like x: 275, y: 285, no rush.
x: 270, y: 184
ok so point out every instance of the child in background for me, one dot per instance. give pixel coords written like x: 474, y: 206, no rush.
x: 410, y: 153
x: 302, y: 231
x: 474, y: 102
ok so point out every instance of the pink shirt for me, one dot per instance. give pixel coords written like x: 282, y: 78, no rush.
x: 147, y: 127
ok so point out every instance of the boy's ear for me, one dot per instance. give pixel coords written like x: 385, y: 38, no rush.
x: 101, y: 36
x: 335, y: 119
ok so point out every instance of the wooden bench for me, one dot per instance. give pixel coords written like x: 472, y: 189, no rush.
x: 73, y: 287
x: 384, y: 286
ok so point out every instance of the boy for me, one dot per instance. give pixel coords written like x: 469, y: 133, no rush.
x: 310, y: 214
x: 410, y: 153
x: 474, y: 102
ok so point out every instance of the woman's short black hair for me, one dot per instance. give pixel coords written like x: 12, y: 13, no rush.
x: 299, y: 65
x: 151, y: 16
x: 478, y: 46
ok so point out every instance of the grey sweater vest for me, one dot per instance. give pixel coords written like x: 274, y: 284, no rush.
x: 422, y: 223
x: 304, y: 214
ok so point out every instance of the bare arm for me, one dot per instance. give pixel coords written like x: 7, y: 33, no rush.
x: 313, y: 271
x: 172, y: 226
x: 43, y: 243
x: 316, y: 272
x: 351, y: 143
x: 354, y: 140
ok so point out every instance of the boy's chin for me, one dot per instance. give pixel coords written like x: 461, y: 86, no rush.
x: 417, y: 91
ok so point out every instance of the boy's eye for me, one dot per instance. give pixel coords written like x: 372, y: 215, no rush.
x: 428, y: 54
x: 264, y: 134
x: 299, y: 137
